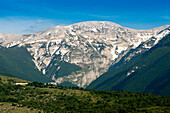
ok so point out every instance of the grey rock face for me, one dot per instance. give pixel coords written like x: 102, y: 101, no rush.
x: 93, y: 46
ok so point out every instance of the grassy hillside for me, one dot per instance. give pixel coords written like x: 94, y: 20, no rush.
x: 37, y: 97
x: 6, y: 79
x: 151, y: 72
x: 6, y: 107
x: 17, y: 62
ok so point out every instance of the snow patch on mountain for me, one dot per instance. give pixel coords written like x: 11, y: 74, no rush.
x: 94, y: 46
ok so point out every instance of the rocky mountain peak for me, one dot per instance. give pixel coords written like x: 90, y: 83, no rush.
x: 87, y: 49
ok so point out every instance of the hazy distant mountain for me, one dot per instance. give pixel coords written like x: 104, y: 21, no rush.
x: 81, y: 52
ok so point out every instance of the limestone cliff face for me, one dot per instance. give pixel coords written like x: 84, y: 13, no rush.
x: 93, y: 46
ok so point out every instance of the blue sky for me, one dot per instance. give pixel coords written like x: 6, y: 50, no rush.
x: 26, y: 16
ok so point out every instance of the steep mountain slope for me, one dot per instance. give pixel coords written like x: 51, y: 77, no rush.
x: 144, y: 72
x: 81, y: 52
x: 18, y: 63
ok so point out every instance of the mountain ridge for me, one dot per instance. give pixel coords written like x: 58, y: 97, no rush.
x: 93, y: 46
x: 145, y: 72
x: 160, y: 27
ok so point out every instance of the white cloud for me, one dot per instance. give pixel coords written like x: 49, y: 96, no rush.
x: 21, y: 25
x: 39, y: 25
x: 166, y: 17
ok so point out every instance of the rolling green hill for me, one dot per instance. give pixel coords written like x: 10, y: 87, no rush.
x: 17, y: 62
x: 39, y: 98
x: 148, y: 72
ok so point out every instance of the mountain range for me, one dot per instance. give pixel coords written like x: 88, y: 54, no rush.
x: 93, y: 54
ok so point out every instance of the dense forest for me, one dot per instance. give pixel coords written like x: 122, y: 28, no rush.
x: 48, y: 98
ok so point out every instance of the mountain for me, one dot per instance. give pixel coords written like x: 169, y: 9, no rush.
x: 17, y: 62
x: 79, y: 53
x: 145, y: 72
